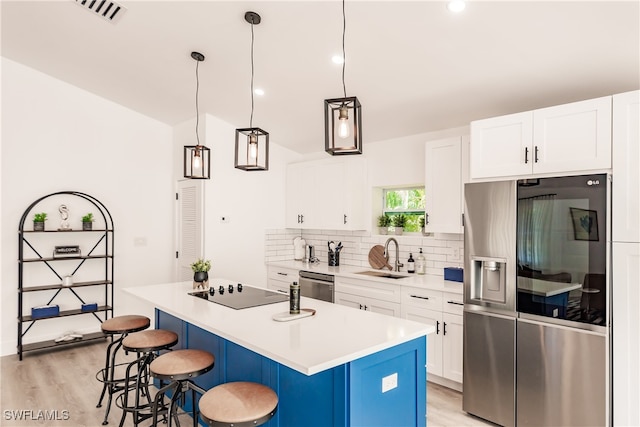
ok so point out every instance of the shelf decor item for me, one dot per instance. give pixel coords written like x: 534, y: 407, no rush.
x: 197, y: 161
x: 64, y: 216
x: 201, y: 273
x: 252, y: 143
x: 343, y: 116
x: 87, y: 222
x: 384, y: 222
x: 38, y: 221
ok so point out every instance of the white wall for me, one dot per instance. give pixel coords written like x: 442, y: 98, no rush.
x: 57, y: 137
x: 250, y: 201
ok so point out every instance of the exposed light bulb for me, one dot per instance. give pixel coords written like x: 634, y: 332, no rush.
x: 197, y: 161
x: 343, y: 123
x: 253, y: 146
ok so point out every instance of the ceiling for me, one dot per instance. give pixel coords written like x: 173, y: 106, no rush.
x: 414, y: 66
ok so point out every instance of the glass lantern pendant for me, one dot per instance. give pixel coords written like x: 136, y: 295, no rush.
x: 343, y: 126
x: 252, y: 149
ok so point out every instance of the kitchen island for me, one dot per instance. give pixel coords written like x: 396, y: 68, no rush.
x: 340, y: 367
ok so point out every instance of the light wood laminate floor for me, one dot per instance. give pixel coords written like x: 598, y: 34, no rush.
x: 61, y: 383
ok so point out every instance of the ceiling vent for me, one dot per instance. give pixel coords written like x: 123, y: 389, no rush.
x: 106, y: 9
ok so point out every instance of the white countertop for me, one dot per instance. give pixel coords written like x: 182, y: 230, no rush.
x: 545, y: 288
x: 333, y: 336
x: 424, y: 281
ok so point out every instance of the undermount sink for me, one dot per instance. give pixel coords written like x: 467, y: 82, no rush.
x: 384, y: 274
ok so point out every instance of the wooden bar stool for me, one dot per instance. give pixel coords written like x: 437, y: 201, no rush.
x: 238, y: 404
x: 179, y: 367
x: 122, y: 325
x: 146, y: 344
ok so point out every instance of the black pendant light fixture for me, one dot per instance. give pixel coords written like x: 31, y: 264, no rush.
x: 197, y: 160
x: 343, y: 116
x: 252, y: 143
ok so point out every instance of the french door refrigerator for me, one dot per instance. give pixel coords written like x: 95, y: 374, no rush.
x: 536, y: 341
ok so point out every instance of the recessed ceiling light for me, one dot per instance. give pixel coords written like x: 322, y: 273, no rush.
x: 337, y: 59
x: 456, y: 5
x: 259, y: 92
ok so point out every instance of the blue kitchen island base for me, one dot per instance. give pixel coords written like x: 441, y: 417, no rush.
x: 387, y: 388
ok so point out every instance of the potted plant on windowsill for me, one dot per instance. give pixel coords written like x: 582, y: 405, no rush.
x: 38, y: 221
x: 383, y: 224
x: 201, y: 273
x: 87, y: 222
x: 399, y: 222
x: 422, y: 225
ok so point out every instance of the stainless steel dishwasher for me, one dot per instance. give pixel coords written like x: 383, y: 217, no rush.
x: 317, y: 285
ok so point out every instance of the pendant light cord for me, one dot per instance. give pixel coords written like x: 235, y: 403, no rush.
x: 252, y: 72
x: 344, y: 55
x: 197, y: 110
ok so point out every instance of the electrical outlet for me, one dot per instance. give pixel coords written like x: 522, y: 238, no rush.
x: 389, y: 382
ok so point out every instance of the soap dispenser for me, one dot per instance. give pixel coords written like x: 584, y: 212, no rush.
x: 421, y: 263
x: 411, y: 264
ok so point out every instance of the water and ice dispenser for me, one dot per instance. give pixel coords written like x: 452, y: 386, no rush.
x: 488, y: 280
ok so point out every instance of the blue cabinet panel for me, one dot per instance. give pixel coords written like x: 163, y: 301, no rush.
x: 317, y: 400
x: 171, y: 323
x: 402, y: 405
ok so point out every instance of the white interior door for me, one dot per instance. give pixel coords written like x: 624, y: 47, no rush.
x: 190, y: 227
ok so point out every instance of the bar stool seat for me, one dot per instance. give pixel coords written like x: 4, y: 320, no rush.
x: 146, y: 343
x: 122, y: 325
x: 179, y: 367
x: 238, y: 404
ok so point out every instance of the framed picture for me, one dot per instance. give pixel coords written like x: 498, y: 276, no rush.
x: 585, y: 224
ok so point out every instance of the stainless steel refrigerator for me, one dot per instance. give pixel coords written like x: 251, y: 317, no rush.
x: 536, y: 299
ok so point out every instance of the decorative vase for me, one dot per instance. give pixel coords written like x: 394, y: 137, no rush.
x: 399, y: 230
x: 201, y: 279
x: 383, y: 230
x: 87, y: 226
x: 38, y: 226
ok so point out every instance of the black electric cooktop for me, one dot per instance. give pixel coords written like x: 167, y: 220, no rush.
x: 240, y: 296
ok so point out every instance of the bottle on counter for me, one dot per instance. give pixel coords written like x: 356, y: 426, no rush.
x: 421, y: 263
x: 294, y: 298
x: 411, y: 264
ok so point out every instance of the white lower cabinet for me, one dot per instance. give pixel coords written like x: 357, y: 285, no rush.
x: 370, y: 296
x: 280, y: 278
x: 442, y: 310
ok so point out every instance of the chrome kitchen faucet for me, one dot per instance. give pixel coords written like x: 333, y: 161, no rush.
x: 397, y: 263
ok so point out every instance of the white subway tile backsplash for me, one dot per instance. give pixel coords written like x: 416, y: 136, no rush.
x: 440, y: 250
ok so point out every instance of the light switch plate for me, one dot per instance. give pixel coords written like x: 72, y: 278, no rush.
x: 389, y: 382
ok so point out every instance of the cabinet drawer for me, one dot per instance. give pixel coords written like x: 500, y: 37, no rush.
x: 283, y: 274
x: 426, y: 299
x: 365, y: 288
x: 452, y: 303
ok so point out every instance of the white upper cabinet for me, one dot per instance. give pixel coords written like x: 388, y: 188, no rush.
x: 566, y: 138
x: 626, y: 158
x: 327, y: 194
x: 445, y: 174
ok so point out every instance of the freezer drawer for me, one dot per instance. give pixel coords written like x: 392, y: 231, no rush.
x: 561, y: 376
x: 489, y: 367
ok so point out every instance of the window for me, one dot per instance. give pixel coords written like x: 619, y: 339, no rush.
x: 407, y: 201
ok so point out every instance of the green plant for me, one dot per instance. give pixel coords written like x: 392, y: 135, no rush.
x: 201, y: 265
x: 40, y: 217
x: 87, y: 218
x: 384, y: 221
x: 421, y: 222
x: 399, y: 220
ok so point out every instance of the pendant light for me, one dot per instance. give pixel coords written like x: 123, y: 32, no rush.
x: 252, y: 143
x: 343, y: 116
x: 197, y: 160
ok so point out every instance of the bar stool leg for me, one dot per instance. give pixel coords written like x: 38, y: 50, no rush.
x: 105, y: 372
x: 111, y: 387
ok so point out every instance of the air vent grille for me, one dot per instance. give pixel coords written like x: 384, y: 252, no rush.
x: 106, y: 9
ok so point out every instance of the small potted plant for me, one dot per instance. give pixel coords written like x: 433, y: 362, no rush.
x: 383, y: 224
x: 38, y: 221
x: 422, y: 224
x: 201, y: 273
x: 399, y: 222
x: 87, y: 222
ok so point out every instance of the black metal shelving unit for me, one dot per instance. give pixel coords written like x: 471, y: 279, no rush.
x: 100, y: 253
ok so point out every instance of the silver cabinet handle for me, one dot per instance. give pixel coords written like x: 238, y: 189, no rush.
x: 418, y: 296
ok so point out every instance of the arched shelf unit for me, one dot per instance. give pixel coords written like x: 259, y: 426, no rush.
x: 43, y: 261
